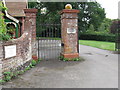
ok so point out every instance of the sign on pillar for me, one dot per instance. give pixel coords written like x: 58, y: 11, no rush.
x: 69, y: 33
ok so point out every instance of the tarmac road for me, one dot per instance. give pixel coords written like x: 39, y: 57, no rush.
x: 98, y: 70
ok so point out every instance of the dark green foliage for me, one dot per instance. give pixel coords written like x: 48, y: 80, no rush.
x: 98, y: 37
x: 115, y: 26
x: 90, y: 13
x: 69, y: 59
x: 33, y: 62
x: 105, y: 25
x: 65, y: 59
x: 76, y: 59
x: 61, y: 57
x: 7, y: 76
x: 91, y: 29
x: 2, y: 81
x: 27, y: 68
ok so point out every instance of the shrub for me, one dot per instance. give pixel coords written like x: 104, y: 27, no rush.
x: 7, y: 76
x: 115, y: 26
x: 98, y: 37
x: 33, y: 62
x: 91, y: 29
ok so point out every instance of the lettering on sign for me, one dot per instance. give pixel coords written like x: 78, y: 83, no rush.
x: 10, y: 51
x: 71, y: 30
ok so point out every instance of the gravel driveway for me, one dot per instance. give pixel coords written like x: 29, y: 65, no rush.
x: 98, y: 70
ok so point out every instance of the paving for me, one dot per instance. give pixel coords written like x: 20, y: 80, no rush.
x: 99, y: 69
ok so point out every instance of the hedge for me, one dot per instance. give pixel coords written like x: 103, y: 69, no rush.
x: 98, y: 37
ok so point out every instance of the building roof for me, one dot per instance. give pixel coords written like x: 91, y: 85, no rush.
x: 16, y: 9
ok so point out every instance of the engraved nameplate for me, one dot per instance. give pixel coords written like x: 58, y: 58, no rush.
x: 71, y: 30
x: 10, y: 51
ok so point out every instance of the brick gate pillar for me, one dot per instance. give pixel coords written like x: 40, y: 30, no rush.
x: 30, y: 25
x: 69, y: 33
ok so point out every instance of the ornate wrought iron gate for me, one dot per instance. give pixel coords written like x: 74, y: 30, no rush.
x: 49, y: 41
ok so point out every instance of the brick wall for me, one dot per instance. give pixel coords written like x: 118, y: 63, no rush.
x: 25, y: 45
x: 23, y: 53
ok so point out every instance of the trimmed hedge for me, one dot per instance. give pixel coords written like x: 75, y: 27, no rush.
x: 98, y: 37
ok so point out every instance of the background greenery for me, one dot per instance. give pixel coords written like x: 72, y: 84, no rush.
x: 90, y: 13
x: 92, y: 21
x: 99, y: 44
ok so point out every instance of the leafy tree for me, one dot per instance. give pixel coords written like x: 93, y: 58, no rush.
x: 105, y: 25
x: 91, y: 29
x: 102, y: 27
x: 90, y: 13
x: 115, y: 26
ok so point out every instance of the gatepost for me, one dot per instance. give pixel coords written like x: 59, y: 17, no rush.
x: 30, y: 25
x: 69, y: 33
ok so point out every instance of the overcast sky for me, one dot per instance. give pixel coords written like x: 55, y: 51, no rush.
x: 111, y: 8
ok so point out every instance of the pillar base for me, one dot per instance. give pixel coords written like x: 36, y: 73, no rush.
x: 70, y: 56
x: 34, y: 57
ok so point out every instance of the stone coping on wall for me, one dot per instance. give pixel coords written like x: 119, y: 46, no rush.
x: 15, y: 41
x: 69, y: 11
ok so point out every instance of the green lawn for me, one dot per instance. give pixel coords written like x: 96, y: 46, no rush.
x: 99, y: 44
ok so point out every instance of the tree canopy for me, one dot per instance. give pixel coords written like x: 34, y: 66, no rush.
x: 90, y: 13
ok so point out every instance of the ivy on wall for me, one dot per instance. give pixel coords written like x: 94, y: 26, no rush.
x: 3, y: 30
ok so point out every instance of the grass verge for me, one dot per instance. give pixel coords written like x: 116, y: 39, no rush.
x: 99, y: 44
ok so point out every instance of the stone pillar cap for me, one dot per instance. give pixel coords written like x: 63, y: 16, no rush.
x: 31, y: 10
x: 69, y: 11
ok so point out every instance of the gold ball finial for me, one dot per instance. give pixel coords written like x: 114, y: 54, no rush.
x: 68, y: 6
